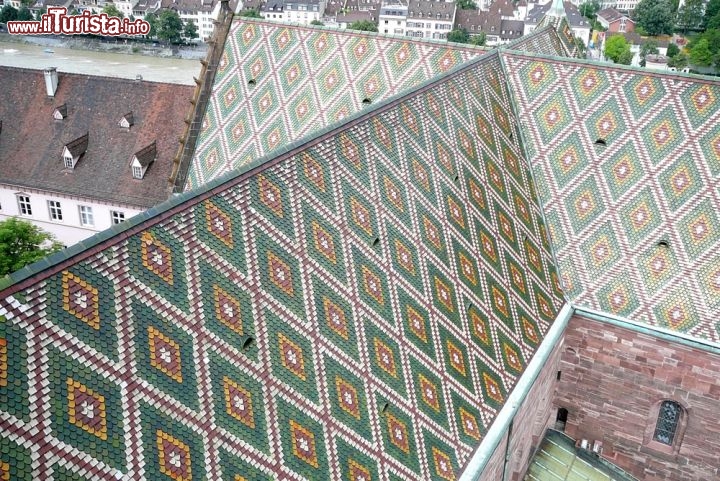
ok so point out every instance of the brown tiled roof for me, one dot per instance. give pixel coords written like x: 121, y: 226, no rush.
x: 505, y: 8
x: 62, y: 110
x: 147, y: 155
x: 351, y: 17
x: 611, y: 15
x: 96, y: 105
x: 78, y: 146
x: 429, y: 7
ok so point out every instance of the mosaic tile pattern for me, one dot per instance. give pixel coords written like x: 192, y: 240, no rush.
x: 360, y: 310
x: 278, y: 83
x: 635, y: 222
x: 543, y: 40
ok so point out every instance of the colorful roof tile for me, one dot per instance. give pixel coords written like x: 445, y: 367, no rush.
x: 279, y: 83
x: 628, y: 164
x: 363, y: 304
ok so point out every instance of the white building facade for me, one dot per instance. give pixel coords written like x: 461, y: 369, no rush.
x: 393, y: 18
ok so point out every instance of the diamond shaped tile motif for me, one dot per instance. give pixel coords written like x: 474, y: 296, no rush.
x: 309, y: 84
x: 639, y: 208
x: 359, y: 308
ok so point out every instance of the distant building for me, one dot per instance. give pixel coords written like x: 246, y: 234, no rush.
x: 429, y: 19
x: 393, y: 16
x: 345, y: 19
x: 303, y: 11
x: 614, y: 21
x: 95, y: 150
x: 497, y: 30
x: 579, y: 25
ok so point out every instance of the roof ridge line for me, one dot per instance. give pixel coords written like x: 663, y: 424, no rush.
x: 52, y: 264
x: 613, y: 66
x: 363, y: 33
x: 83, y: 75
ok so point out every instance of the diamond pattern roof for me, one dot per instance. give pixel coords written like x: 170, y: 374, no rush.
x: 634, y: 219
x: 278, y: 83
x: 360, y: 306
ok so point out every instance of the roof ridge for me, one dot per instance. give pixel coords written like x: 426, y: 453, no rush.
x: 615, y: 67
x: 360, y: 33
x: 39, y: 71
x: 52, y: 264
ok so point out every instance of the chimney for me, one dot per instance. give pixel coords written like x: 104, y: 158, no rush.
x: 51, y: 81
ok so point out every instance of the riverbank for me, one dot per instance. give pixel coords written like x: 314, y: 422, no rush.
x: 118, y: 45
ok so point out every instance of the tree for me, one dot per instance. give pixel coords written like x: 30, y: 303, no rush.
x: 112, y: 11
x: 250, y: 13
x: 712, y: 10
x: 626, y: 57
x: 466, y: 4
x: 190, y: 31
x: 700, y: 54
x: 672, y: 50
x: 649, y: 47
x: 317, y: 22
x: 590, y: 9
x: 714, y: 23
x: 8, y: 14
x: 654, y: 16
x: 151, y: 19
x: 690, y: 15
x: 24, y: 14
x: 364, y: 25
x: 617, y: 48
x: 679, y: 61
x: 458, y: 35
x: 478, y: 39
x: 169, y: 26
x: 22, y: 243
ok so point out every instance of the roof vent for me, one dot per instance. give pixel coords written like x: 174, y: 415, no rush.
x: 601, y: 142
x: 126, y: 120
x: 663, y: 244
x: 138, y: 77
x: 251, y: 82
x: 60, y: 112
x: 248, y: 342
x: 366, y: 101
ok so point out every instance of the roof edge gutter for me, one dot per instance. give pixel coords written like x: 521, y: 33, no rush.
x: 655, y: 331
x: 484, y: 452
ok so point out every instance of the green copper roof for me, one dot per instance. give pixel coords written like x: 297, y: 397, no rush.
x: 628, y: 170
x: 277, y: 83
x: 358, y: 306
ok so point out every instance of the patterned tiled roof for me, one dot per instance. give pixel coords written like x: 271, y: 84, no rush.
x: 543, y: 40
x: 278, y: 83
x: 634, y: 218
x: 360, y: 305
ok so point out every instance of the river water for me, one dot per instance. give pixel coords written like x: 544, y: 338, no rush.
x: 156, y: 69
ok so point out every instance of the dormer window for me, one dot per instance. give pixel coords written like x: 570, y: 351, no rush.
x: 72, y: 151
x: 60, y: 112
x: 142, y: 160
x: 126, y: 121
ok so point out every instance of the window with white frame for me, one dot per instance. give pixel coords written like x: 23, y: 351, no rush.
x: 55, y: 210
x: 137, y: 172
x: 68, y: 161
x: 24, y: 205
x: 117, y: 217
x: 86, y: 216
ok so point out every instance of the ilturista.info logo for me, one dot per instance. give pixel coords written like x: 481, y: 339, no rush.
x: 57, y: 22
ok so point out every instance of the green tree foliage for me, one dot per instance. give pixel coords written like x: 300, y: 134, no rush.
x: 700, y: 54
x: 24, y: 14
x: 458, y: 35
x: 169, y: 26
x: 363, y: 25
x: 317, y: 22
x: 190, y: 30
x: 590, y: 9
x: 690, y: 15
x: 626, y: 57
x: 649, y: 47
x: 654, y: 16
x: 8, y: 14
x: 251, y: 13
x: 466, y: 4
x: 714, y: 22
x: 111, y: 10
x: 679, y: 61
x: 712, y: 10
x: 617, y: 49
x: 22, y: 243
x: 151, y: 19
x: 480, y: 39
x: 672, y: 50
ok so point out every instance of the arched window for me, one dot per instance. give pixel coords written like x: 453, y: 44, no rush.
x: 667, y: 422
